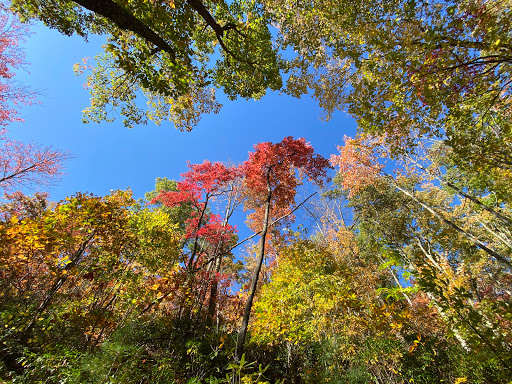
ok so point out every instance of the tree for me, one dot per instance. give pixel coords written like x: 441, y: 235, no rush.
x: 163, y: 50
x: 179, y: 214
x: 21, y: 165
x: 207, y: 237
x: 76, y: 271
x: 12, y: 95
x: 408, y: 69
x: 271, y: 183
x: 450, y: 237
x: 66, y: 247
x: 28, y: 165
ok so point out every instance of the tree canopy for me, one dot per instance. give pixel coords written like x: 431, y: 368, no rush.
x: 175, y: 54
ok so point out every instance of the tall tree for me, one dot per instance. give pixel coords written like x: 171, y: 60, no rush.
x: 271, y: 179
x: 207, y: 236
x: 452, y: 238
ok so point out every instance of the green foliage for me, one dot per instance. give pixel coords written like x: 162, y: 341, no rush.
x: 408, y: 71
x: 174, y: 53
x: 240, y: 373
x: 178, y: 214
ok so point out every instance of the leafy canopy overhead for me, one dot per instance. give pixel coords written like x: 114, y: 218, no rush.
x: 174, y: 53
x: 407, y: 69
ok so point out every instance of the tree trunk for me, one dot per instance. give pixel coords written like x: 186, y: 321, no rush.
x: 506, y: 220
x: 75, y: 258
x: 501, y: 259
x: 247, y: 312
x: 214, y: 288
x: 212, y: 304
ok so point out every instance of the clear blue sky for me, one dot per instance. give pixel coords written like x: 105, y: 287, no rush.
x: 110, y: 156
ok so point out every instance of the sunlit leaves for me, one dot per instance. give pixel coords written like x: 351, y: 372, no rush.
x: 207, y: 237
x: 284, y: 164
x: 405, y: 68
x: 358, y: 165
x: 164, y: 51
x: 84, y: 259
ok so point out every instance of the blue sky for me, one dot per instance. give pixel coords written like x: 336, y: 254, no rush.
x: 109, y: 156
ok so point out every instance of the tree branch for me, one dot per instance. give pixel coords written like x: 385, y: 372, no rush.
x: 219, y: 30
x: 126, y: 21
x: 271, y: 224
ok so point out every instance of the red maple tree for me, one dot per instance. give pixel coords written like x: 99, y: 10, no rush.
x: 272, y: 174
x: 207, y: 236
x: 198, y: 186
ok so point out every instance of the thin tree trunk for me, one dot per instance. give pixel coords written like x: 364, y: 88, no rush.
x: 191, y: 265
x: 214, y: 288
x: 248, y: 306
x: 503, y: 260
x: 397, y: 281
x: 77, y: 255
x: 506, y: 220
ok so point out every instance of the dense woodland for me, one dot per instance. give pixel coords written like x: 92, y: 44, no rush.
x: 405, y: 275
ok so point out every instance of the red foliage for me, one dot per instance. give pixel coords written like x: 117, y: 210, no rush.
x: 200, y: 184
x: 286, y: 163
x: 213, y: 231
x: 201, y: 181
x: 22, y: 165
x: 11, y: 58
x: 211, y: 177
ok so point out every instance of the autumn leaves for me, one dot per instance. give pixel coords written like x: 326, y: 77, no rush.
x: 406, y: 276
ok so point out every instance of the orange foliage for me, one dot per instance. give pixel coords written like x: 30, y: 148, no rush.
x: 357, y: 164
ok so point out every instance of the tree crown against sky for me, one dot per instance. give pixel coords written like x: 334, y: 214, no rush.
x: 411, y: 70
x: 21, y: 164
x: 174, y: 53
